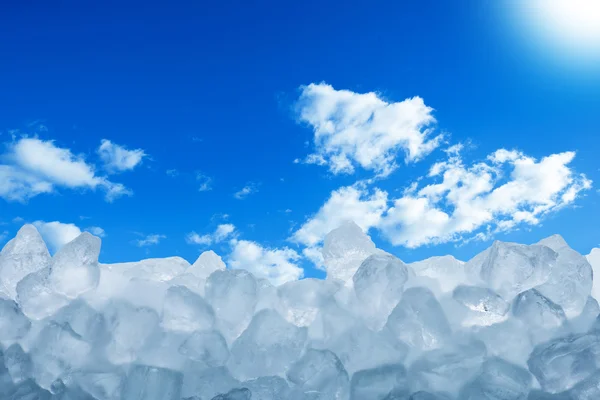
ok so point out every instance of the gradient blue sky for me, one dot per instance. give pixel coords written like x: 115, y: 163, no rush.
x: 214, y: 97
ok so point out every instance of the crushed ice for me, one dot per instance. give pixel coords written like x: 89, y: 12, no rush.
x: 515, y: 322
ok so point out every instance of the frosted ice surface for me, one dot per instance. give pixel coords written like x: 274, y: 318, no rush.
x: 101, y: 384
x: 130, y: 327
x: 570, y: 281
x: 300, y: 301
x: 186, y: 311
x: 498, y: 380
x: 511, y: 268
x: 344, y: 249
x: 419, y: 320
x: 24, y: 254
x: 447, y: 369
x: 561, y: 363
x: 508, y: 340
x: 447, y: 271
x: 26, y: 390
x: 18, y: 363
x: 233, y: 295
x: 320, y: 371
x: 13, y: 323
x: 485, y: 307
x: 36, y: 298
x: 584, y: 321
x: 235, y: 394
x: 208, y: 347
x: 378, y: 284
x: 268, y: 388
x: 267, y: 347
x: 151, y: 383
x: 154, y: 269
x: 377, y: 383
x: 74, y: 268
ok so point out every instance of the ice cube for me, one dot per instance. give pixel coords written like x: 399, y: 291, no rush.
x: 512, y: 268
x: 235, y: 394
x: 320, y: 371
x: 447, y: 369
x: 102, y: 383
x: 508, y: 340
x: 206, y: 264
x: 446, y: 270
x: 26, y: 390
x: 186, y: 311
x: 360, y: 348
x: 151, y: 383
x: 538, y: 312
x: 377, y: 383
x: 84, y: 320
x: 498, y: 380
x: 25, y: 254
x: 58, y: 351
x: 561, y: 363
x: 153, y: 269
x: 419, y: 320
x: 18, y: 363
x: 130, y: 327
x: 300, y: 301
x: 13, y: 323
x: 344, y: 249
x: 268, y: 388
x: 379, y: 283
x: 74, y: 268
x: 485, y: 307
x: 207, y: 383
x: 594, y: 259
x: 208, y: 347
x: 36, y: 297
x: 233, y: 296
x: 570, y: 281
x: 267, y: 347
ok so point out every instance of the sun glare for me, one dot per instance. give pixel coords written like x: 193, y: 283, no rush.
x: 573, y: 25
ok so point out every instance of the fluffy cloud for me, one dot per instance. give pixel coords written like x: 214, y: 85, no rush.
x: 454, y: 201
x: 247, y: 190
x: 276, y: 265
x: 347, y: 203
x: 150, y: 240
x: 117, y: 158
x: 56, y: 234
x: 499, y: 194
x: 363, y: 129
x: 31, y: 166
x: 223, y: 231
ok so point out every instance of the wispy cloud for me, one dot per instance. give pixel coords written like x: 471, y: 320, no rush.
x: 117, y: 158
x: 247, y: 190
x: 205, y: 182
x: 223, y: 232
x: 150, y: 240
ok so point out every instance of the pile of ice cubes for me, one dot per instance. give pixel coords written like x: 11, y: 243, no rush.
x: 515, y: 322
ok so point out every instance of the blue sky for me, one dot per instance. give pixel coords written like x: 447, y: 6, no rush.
x: 252, y: 128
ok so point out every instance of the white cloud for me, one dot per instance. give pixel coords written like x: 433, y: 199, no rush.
x: 117, y: 158
x: 204, y: 181
x: 454, y: 201
x: 150, y: 240
x: 3, y: 236
x: 347, y: 203
x: 172, y: 172
x: 31, y: 166
x: 223, y: 232
x: 507, y: 190
x: 247, y: 190
x: 96, y: 231
x: 56, y: 234
x: 362, y: 129
x: 276, y: 265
